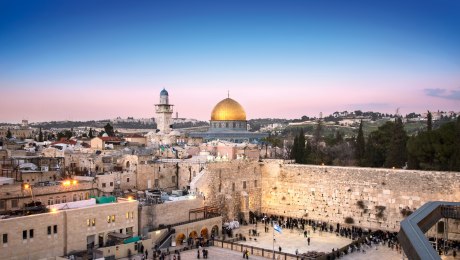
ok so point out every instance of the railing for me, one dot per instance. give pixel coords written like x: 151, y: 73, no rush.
x: 256, y: 251
x: 165, y: 238
x: 183, y: 223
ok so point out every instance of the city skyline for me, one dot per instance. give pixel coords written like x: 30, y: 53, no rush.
x: 90, y: 60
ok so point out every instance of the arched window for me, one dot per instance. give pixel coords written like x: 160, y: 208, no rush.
x: 75, y: 197
x: 64, y: 199
x: 58, y: 200
x: 50, y: 201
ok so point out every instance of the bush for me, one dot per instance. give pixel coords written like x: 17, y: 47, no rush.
x: 360, y: 204
x: 349, y: 220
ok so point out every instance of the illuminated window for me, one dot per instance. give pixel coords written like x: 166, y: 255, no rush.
x: 88, y: 222
x: 93, y: 222
x: 127, y: 215
x: 132, y: 214
x: 108, y: 219
x: 113, y: 218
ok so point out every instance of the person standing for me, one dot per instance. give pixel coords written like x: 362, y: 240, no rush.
x: 308, y: 240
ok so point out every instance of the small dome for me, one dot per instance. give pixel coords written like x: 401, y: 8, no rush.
x: 228, y: 110
x: 105, y: 135
x: 164, y: 93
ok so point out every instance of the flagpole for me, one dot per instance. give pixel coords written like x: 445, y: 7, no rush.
x: 273, y: 239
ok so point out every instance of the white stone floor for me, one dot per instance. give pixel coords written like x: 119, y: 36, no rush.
x: 290, y: 241
x: 216, y: 253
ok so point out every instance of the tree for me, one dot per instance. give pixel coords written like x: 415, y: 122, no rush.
x: 90, y: 135
x: 9, y: 134
x: 360, y: 146
x: 429, y: 122
x: 301, y: 147
x: 377, y: 145
x: 40, y: 135
x: 109, y: 130
x: 396, y: 156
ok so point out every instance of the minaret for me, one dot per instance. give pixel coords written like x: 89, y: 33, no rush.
x: 164, y: 113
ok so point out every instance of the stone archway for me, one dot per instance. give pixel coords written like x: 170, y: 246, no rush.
x: 193, y: 234
x: 180, y: 239
x: 204, y: 233
x: 215, y: 231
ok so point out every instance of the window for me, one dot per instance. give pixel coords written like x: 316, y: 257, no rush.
x: 157, y: 183
x: 220, y: 187
x: 132, y: 214
x: 49, y: 230
x: 2, y: 204
x: 93, y: 222
x: 64, y: 199
x: 233, y: 186
x: 127, y: 179
x: 50, y: 201
x: 5, y: 238
x: 173, y: 179
x: 108, y: 219
x: 55, y: 229
x: 58, y: 200
x: 103, y: 185
x: 87, y: 196
x: 31, y: 233
x: 113, y: 218
x: 244, y: 184
x: 111, y: 184
x: 255, y: 183
x: 127, y: 215
x: 24, y: 234
x: 14, y: 203
x: 75, y: 197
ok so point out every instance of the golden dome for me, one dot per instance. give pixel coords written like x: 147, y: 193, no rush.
x: 228, y: 110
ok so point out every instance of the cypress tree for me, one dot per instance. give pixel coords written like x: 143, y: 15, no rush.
x: 40, y: 135
x: 301, y: 148
x: 396, y: 155
x: 90, y: 135
x: 360, y: 146
x: 429, y: 122
x: 8, y: 134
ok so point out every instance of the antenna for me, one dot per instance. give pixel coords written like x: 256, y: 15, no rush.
x: 228, y: 93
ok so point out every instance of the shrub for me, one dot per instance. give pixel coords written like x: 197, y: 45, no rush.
x: 349, y: 220
x: 360, y: 204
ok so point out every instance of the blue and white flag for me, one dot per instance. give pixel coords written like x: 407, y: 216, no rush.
x: 277, y: 228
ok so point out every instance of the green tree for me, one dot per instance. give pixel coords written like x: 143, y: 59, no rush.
x: 360, y: 146
x: 377, y: 145
x: 300, y: 158
x: 90, y: 135
x: 9, y: 134
x: 108, y: 128
x: 396, y: 155
x: 40, y: 135
x: 429, y: 122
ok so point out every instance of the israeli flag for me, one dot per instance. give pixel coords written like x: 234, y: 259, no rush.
x: 277, y: 228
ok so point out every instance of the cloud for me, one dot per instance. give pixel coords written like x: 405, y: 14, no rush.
x: 443, y: 93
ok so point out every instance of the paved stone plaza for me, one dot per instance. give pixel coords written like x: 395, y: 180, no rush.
x: 292, y: 240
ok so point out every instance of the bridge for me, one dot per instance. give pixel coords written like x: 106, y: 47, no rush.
x: 412, y: 233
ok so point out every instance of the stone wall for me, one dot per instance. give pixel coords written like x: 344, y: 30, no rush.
x: 168, y: 213
x: 373, y: 198
x: 233, y: 187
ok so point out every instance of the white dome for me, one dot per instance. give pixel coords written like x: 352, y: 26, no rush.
x: 105, y: 135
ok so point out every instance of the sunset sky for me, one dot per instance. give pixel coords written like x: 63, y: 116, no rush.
x: 79, y: 60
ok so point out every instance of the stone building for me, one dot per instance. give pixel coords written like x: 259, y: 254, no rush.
x: 64, y: 231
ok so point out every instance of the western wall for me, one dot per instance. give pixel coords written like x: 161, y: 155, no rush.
x: 372, y: 198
